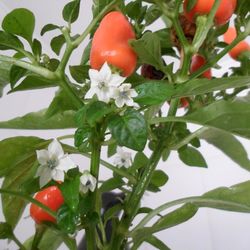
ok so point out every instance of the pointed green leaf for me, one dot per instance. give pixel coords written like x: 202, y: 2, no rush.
x: 71, y: 11
x: 129, y: 130
x: 20, y: 22
x: 192, y: 157
x: 153, y: 92
x: 49, y: 27
x: 229, y: 145
x: 38, y: 120
x: 57, y: 43
x: 8, y: 41
x: 5, y: 231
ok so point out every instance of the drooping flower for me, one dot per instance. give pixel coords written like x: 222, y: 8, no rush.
x: 103, y: 83
x: 87, y: 182
x: 123, y: 95
x: 53, y: 163
x: 122, y: 158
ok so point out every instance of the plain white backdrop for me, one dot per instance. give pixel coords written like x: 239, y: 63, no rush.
x: 210, y: 229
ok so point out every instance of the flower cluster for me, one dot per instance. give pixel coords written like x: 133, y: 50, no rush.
x: 109, y: 86
x: 54, y: 163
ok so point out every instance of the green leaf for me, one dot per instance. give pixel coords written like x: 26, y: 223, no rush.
x: 112, y: 212
x: 140, y: 161
x: 152, y: 240
x: 24, y: 170
x: 16, y: 73
x: 4, y: 76
x: 66, y: 219
x: 8, y: 41
x: 229, y: 145
x: 112, y: 149
x: 152, y: 14
x: 79, y: 72
x: 202, y: 86
x: 86, y: 53
x: 14, y: 150
x: 192, y: 157
x: 5, y: 231
x: 174, y: 218
x: 159, y: 178
x: 238, y: 194
x: 57, y: 43
x: 49, y: 27
x: 148, y: 49
x: 96, y: 111
x: 111, y: 184
x: 51, y: 240
x: 81, y: 138
x: 71, y: 11
x: 33, y: 82
x: 38, y: 120
x: 231, y: 116
x: 129, y: 130
x: 59, y: 104
x: 153, y: 92
x: 70, y: 191
x: 37, y: 48
x: 133, y: 8
x: 20, y: 22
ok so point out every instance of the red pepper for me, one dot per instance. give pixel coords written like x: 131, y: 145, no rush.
x: 111, y: 44
x: 50, y: 197
x: 242, y: 46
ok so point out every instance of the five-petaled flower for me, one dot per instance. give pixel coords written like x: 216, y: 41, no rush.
x: 103, y: 83
x: 109, y: 86
x: 53, y: 163
x: 123, y: 95
x: 88, y: 182
x: 122, y: 158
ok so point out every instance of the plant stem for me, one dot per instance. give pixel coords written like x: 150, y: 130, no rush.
x: 211, y: 63
x: 30, y: 199
x: 94, y: 170
x: 33, y: 68
x: 189, y: 138
x: 131, y: 207
x: 14, y: 238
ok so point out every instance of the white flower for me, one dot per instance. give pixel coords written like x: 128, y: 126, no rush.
x: 53, y: 163
x: 103, y: 83
x: 122, y: 158
x: 123, y: 95
x: 88, y: 182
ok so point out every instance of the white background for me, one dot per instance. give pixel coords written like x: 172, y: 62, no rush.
x: 209, y: 229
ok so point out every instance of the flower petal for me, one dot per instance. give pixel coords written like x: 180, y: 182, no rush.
x: 94, y: 76
x: 133, y: 93
x: 42, y: 156
x: 116, y: 80
x: 119, y: 102
x: 105, y: 72
x: 57, y: 175
x: 45, y: 176
x: 55, y: 149
x: 129, y: 101
x: 65, y: 164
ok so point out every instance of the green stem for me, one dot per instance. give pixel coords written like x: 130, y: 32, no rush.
x: 203, y: 26
x: 94, y: 170
x: 35, y: 69
x: 189, y: 138
x: 132, y: 204
x: 215, y: 59
x: 93, y: 23
x: 30, y: 199
x: 22, y: 247
x: 40, y: 229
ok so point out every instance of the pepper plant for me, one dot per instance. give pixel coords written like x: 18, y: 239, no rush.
x: 116, y: 99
